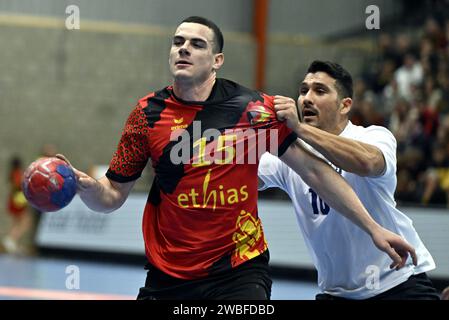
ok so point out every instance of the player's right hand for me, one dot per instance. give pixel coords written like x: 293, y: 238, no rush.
x: 286, y: 110
x: 84, y: 182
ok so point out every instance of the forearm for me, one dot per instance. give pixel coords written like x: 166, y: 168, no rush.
x: 348, y: 154
x: 102, y: 196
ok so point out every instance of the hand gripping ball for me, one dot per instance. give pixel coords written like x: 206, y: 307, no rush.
x: 49, y: 184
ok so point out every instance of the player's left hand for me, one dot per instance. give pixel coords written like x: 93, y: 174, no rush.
x: 286, y: 110
x: 395, y: 246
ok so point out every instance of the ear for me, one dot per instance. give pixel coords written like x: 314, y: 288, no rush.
x: 345, y: 106
x: 219, y: 60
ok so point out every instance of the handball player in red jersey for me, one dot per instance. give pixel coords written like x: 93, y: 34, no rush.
x: 204, y: 136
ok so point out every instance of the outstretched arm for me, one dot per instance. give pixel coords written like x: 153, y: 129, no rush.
x: 336, y: 192
x: 102, y: 195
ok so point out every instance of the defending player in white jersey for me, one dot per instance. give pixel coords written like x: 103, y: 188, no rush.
x: 348, y: 265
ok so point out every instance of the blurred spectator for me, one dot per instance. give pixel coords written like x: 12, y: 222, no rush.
x: 366, y: 111
x: 381, y: 70
x: 447, y: 33
x: 432, y: 93
x: 403, y: 46
x: 17, y: 208
x: 385, y: 75
x: 411, y: 164
x: 429, y: 57
x: 435, y: 33
x: 390, y: 97
x: 403, y: 123
x: 428, y: 120
x: 443, y: 81
x: 436, y: 189
x: 408, y: 76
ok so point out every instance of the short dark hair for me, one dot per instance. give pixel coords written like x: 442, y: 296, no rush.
x: 219, y: 40
x: 343, y: 79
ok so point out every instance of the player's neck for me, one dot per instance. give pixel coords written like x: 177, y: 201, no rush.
x: 191, y: 91
x: 340, y: 127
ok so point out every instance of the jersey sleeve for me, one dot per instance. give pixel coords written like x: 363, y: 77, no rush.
x: 132, y: 152
x: 285, y: 136
x: 383, y: 139
x: 272, y: 172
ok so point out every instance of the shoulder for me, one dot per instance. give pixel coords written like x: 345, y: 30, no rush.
x: 145, y: 106
x: 378, y: 130
x: 381, y: 138
x: 371, y: 133
x: 244, y: 92
x: 272, y: 167
x: 269, y: 159
x: 163, y: 94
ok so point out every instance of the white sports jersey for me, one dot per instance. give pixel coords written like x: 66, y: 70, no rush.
x: 346, y: 258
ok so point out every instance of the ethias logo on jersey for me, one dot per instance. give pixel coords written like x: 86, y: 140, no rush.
x: 211, y: 198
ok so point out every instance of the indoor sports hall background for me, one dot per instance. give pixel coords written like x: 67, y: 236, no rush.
x: 67, y: 87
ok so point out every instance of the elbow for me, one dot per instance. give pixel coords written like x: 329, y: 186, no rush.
x: 366, y: 168
x: 371, y: 166
x: 115, y: 206
x: 311, y: 177
x: 104, y: 207
x: 108, y: 210
x: 101, y: 209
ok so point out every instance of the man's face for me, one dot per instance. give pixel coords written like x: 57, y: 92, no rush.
x: 319, y: 102
x: 191, y: 54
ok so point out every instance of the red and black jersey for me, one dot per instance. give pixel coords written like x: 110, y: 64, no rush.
x: 201, y: 216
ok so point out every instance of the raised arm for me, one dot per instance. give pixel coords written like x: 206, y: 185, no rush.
x: 102, y: 195
x: 335, y: 191
x: 350, y: 155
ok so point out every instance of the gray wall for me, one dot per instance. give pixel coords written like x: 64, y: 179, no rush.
x: 318, y: 18
x: 313, y: 18
x: 231, y: 15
